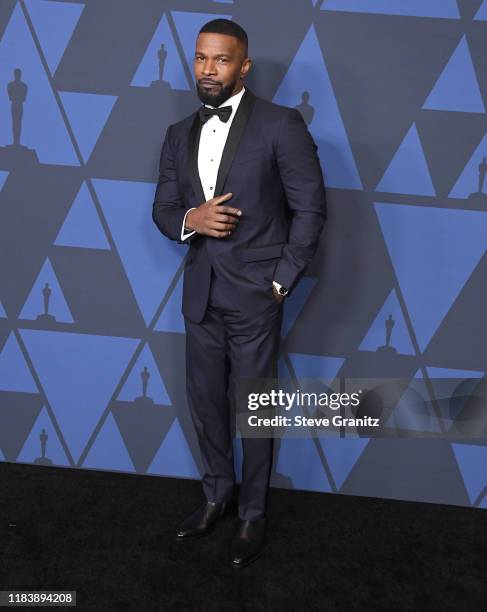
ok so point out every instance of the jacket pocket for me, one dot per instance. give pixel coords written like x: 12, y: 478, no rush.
x: 269, y: 251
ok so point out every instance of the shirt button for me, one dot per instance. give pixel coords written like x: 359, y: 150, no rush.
x: 214, y: 130
x: 211, y: 160
x: 211, y: 188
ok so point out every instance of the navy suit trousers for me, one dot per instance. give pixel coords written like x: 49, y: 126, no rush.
x: 225, y: 346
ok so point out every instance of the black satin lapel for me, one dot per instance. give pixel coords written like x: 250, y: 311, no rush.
x: 234, y: 135
x: 193, y: 146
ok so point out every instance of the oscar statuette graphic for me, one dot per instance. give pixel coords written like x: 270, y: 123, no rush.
x: 305, y: 108
x: 161, y: 84
x: 479, y: 197
x: 144, y: 400
x: 387, y: 348
x: 43, y: 460
x: 45, y: 317
x: 16, y: 153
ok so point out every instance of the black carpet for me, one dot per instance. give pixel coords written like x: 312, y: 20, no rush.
x: 110, y: 537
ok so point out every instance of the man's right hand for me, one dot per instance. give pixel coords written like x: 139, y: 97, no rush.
x: 212, y: 218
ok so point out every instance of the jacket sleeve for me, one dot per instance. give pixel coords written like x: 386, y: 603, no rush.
x: 168, y: 211
x: 302, y: 179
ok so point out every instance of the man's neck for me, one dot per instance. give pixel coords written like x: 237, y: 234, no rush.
x: 238, y: 90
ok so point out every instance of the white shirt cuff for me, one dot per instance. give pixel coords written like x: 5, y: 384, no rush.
x: 184, y: 232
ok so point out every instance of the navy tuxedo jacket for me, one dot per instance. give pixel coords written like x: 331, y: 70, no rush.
x: 271, y: 166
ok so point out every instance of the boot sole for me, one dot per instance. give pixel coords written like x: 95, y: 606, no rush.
x: 238, y: 566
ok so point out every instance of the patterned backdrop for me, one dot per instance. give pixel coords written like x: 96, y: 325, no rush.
x: 91, y: 333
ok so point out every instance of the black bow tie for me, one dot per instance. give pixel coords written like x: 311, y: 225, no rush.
x: 223, y: 112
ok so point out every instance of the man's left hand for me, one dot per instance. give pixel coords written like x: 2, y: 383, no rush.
x: 278, y: 297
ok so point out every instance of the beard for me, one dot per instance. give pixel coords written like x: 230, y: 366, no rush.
x: 216, y: 96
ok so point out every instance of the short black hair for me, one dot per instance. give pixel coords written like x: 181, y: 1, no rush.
x: 228, y: 27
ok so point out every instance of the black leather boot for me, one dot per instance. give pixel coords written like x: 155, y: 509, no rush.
x: 201, y: 520
x: 247, y: 545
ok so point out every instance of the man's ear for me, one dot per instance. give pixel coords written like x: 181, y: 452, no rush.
x: 246, y: 67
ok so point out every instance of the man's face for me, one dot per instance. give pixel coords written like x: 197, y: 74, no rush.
x: 219, y: 64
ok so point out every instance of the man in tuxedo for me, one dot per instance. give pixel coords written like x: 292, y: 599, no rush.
x: 240, y: 182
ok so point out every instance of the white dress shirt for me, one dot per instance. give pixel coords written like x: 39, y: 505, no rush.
x: 213, y: 137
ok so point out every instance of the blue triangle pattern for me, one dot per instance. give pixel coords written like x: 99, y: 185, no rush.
x: 451, y: 399
x: 148, y: 70
x: 31, y: 449
x: 69, y: 367
x: 452, y: 373
x: 315, y: 366
x: 3, y: 178
x: 282, y: 369
x: 408, y: 171
x: 82, y: 226
x: 238, y: 458
x: 433, y: 252
x: 171, y: 319
x: 457, y: 88
x: 342, y: 454
x: 58, y: 17
x: 150, y: 260
x: 43, y: 128
x: 308, y: 73
x: 376, y: 335
x: 34, y: 305
x: 156, y: 388
x: 295, y: 303
x: 299, y: 460
x: 482, y: 12
x: 88, y: 114
x: 414, y: 8
x: 471, y: 460
x: 3, y: 314
x: 14, y: 372
x: 108, y: 451
x: 468, y: 182
x: 414, y: 411
x: 174, y: 456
